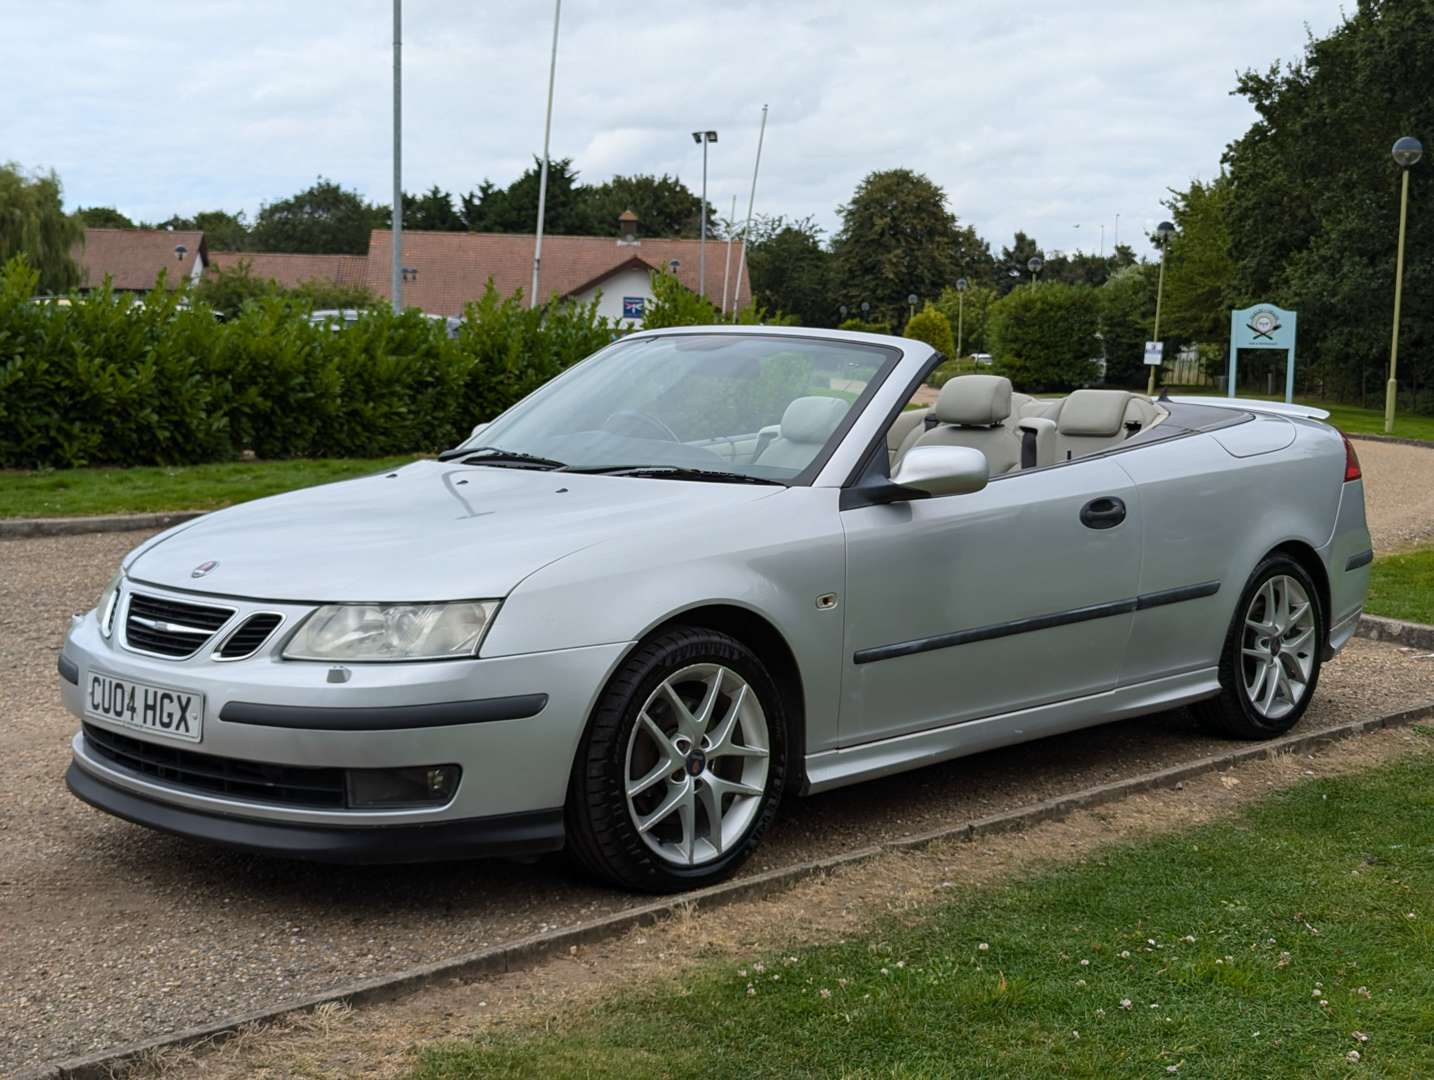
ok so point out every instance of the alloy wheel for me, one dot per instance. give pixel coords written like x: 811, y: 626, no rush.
x: 696, y: 764
x: 1278, y: 646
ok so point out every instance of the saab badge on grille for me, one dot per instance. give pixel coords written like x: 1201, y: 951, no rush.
x: 203, y: 568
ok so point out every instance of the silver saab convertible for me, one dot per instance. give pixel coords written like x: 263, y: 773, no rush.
x: 705, y: 568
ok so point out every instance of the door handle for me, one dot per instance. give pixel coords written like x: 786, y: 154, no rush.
x: 1104, y: 513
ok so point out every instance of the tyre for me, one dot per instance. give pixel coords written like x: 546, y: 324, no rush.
x: 1270, y: 663
x: 682, y: 765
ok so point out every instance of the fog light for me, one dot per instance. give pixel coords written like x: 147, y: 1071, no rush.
x: 390, y: 789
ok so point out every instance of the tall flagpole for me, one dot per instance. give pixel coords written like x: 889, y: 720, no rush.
x: 543, y: 171
x: 747, y: 228
x: 396, y: 283
x: 727, y: 266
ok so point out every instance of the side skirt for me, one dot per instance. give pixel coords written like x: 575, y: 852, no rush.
x: 850, y: 765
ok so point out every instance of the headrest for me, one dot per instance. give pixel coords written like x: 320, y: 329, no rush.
x: 812, y: 419
x: 1093, y: 412
x: 974, y: 401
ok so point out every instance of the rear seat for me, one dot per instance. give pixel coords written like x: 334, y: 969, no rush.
x: 1088, y: 421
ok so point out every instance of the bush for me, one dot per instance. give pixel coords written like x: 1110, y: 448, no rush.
x: 1043, y: 336
x: 930, y: 326
x: 865, y: 326
x: 112, y: 380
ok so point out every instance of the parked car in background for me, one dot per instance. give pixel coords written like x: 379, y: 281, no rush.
x: 707, y: 567
x: 338, y: 318
x: 985, y: 359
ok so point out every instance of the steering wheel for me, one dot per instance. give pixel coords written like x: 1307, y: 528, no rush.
x: 615, y: 424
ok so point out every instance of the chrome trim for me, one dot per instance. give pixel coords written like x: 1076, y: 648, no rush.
x: 123, y: 617
x: 214, y: 653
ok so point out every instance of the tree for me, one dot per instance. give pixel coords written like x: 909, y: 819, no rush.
x: 1127, y: 316
x: 514, y: 209
x: 791, y: 270
x: 103, y: 217
x: 1199, y: 273
x: 33, y: 223
x: 1044, y: 336
x: 1314, y: 196
x: 433, y: 210
x: 222, y: 230
x: 930, y: 325
x: 663, y: 204
x: 324, y: 218
x: 968, y: 317
x: 1013, y: 266
x: 897, y: 237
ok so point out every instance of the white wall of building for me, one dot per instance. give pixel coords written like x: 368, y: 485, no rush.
x: 632, y: 283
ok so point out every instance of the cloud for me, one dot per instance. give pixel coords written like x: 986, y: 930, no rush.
x: 1040, y: 116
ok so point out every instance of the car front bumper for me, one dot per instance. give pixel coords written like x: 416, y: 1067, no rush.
x: 512, y: 724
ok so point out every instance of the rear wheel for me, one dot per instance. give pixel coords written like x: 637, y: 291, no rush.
x: 1271, y: 660
x: 682, y: 767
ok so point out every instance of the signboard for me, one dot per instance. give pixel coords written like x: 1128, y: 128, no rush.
x: 1263, y: 326
x: 633, y: 307
x: 1154, y: 353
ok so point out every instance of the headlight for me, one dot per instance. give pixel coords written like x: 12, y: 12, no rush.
x: 392, y: 631
x: 105, y: 609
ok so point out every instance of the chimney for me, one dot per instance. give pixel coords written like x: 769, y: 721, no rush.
x: 627, y: 228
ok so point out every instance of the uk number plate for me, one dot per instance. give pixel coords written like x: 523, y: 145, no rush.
x: 159, y: 710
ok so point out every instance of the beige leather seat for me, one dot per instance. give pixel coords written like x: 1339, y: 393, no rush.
x: 1088, y: 421
x: 806, y: 424
x: 906, y: 422
x: 1140, y: 414
x: 972, y: 411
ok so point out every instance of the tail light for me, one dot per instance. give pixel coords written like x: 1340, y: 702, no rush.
x: 1351, y: 461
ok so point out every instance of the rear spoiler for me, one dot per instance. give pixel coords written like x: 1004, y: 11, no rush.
x: 1254, y: 405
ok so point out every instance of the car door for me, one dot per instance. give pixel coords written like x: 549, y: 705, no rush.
x: 968, y: 606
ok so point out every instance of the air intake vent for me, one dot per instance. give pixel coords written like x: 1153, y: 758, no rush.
x: 171, y: 628
x: 250, y: 636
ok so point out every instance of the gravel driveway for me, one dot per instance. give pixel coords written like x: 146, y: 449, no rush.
x: 110, y: 933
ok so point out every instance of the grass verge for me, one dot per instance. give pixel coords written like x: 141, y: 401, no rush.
x: 1402, y: 586
x: 76, y: 492
x: 1280, y: 943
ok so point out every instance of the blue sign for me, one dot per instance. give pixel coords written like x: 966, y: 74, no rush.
x: 633, y: 307
x: 1264, y: 326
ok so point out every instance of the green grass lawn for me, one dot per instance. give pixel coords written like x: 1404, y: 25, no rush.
x: 1350, y: 419
x: 1402, y: 586
x: 1255, y: 947
x: 70, y: 492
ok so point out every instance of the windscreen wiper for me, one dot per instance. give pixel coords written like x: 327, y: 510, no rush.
x: 494, y: 455
x: 675, y: 472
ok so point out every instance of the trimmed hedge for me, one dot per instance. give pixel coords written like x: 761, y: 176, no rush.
x: 108, y: 380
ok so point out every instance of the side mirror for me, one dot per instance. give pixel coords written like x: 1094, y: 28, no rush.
x: 943, y: 470
x: 478, y: 429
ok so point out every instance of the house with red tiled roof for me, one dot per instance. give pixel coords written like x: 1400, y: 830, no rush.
x: 445, y: 270
x: 291, y: 270
x: 133, y: 258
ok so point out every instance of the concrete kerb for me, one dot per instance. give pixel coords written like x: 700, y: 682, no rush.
x: 23, y: 528
x: 1378, y: 628
x: 528, y: 951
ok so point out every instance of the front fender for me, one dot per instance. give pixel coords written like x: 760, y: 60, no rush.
x: 772, y: 557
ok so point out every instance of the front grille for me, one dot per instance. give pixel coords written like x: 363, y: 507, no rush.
x: 257, y: 781
x: 252, y: 634
x: 171, y: 628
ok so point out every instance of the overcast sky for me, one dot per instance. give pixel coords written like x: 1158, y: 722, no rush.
x: 1040, y: 115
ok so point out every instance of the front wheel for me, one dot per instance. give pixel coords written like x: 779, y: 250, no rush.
x: 1271, y: 660
x: 681, y: 769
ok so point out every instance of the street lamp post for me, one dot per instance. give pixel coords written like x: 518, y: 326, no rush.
x: 1407, y: 151
x: 703, y: 137
x: 1034, y: 264
x: 911, y: 299
x: 960, y: 314
x: 543, y: 170
x: 1162, y: 235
